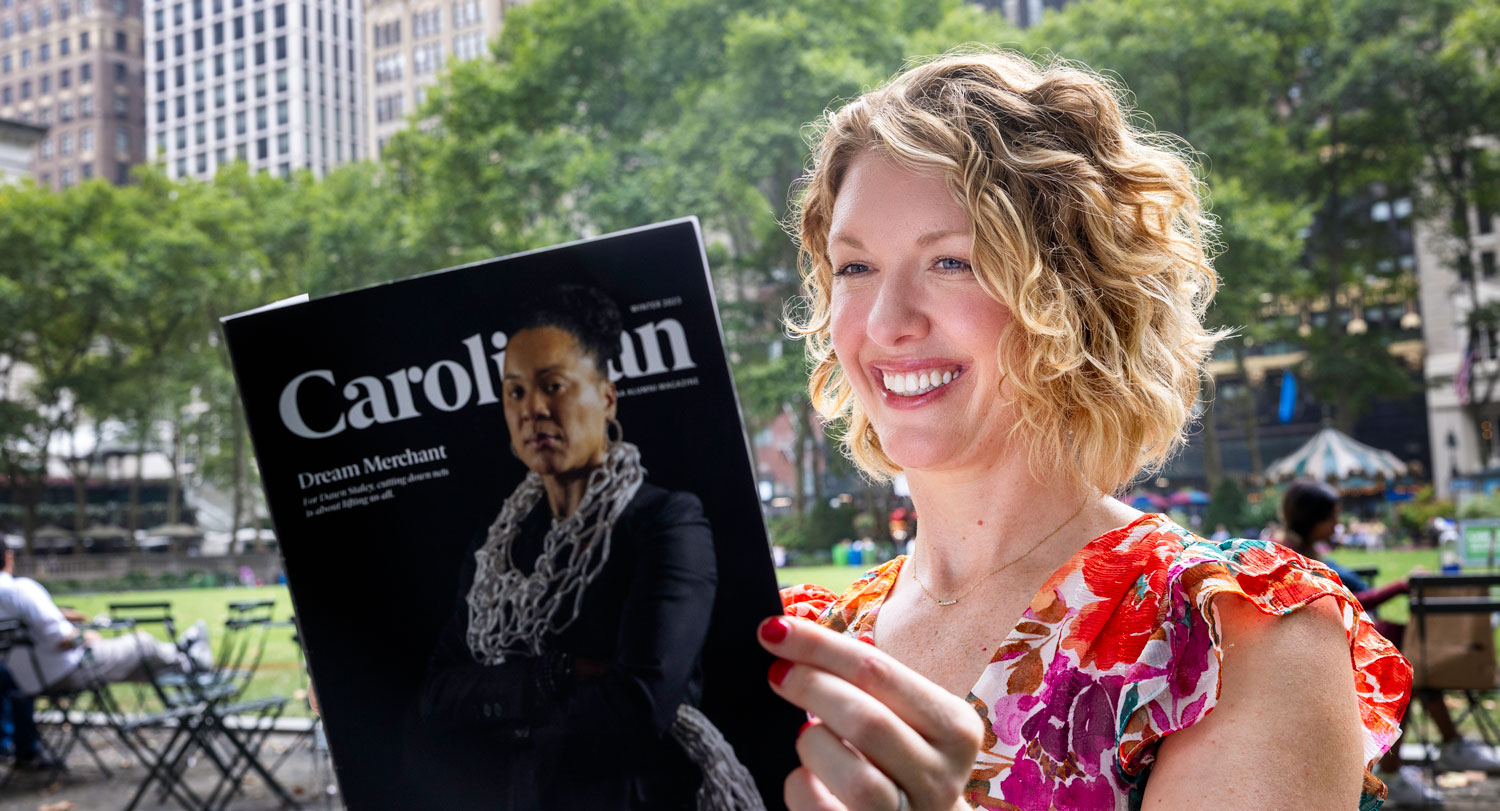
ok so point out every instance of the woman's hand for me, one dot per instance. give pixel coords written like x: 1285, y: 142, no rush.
x: 883, y: 737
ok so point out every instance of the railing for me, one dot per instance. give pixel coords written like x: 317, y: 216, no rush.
x: 84, y: 568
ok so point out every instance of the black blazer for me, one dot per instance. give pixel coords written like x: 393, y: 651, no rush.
x: 599, y: 742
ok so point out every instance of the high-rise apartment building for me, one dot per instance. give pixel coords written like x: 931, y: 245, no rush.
x: 74, y: 67
x: 275, y: 83
x: 410, y: 41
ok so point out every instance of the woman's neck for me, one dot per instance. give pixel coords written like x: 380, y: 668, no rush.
x: 566, y: 492
x: 973, y: 522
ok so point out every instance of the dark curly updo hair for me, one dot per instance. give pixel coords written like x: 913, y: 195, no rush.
x: 584, y: 312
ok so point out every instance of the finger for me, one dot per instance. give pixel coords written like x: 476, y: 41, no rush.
x: 851, y: 778
x: 933, y: 712
x: 805, y: 792
x: 872, y: 728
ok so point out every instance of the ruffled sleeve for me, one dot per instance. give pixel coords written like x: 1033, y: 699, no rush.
x: 806, y: 601
x: 1175, y: 681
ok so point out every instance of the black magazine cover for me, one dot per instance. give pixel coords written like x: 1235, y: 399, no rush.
x: 469, y: 649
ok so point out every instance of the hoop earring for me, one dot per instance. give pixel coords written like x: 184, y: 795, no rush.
x: 619, y: 431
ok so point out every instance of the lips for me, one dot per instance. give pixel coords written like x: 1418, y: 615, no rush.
x: 544, y: 440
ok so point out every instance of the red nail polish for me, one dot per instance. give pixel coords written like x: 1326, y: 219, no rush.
x: 803, y: 728
x: 774, y: 629
x: 778, y: 671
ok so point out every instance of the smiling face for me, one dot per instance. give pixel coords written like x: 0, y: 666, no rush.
x: 914, y: 331
x: 557, y: 404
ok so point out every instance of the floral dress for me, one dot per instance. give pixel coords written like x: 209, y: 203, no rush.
x: 1119, y: 649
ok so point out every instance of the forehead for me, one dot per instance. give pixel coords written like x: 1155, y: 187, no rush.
x: 881, y: 197
x: 542, y: 347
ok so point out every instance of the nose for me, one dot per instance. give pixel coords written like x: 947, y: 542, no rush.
x: 899, y: 312
x: 535, y: 405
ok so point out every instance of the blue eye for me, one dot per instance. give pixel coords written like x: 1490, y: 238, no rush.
x: 853, y: 268
x: 950, y: 265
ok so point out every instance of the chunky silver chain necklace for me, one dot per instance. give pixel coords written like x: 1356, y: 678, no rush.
x: 509, y: 612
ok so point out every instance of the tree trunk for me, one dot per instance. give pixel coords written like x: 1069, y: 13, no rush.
x: 174, y: 485
x: 133, y: 514
x: 238, y: 478
x: 799, y: 461
x: 819, y: 463
x: 1213, y: 460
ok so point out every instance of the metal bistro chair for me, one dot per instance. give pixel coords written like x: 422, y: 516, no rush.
x: 129, y: 617
x: 216, y: 697
x: 312, y: 739
x: 93, y: 699
x: 1433, y: 597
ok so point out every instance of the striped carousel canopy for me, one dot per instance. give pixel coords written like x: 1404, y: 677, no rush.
x: 1334, y: 455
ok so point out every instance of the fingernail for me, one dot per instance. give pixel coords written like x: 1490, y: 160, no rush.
x: 803, y: 728
x: 778, y: 671
x: 774, y: 629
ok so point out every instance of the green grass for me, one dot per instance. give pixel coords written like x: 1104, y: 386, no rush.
x: 836, y: 578
x: 280, y: 671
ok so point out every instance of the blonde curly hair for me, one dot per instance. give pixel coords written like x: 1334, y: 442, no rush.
x: 1086, y: 227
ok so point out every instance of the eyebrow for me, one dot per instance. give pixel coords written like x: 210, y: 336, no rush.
x: 922, y: 241
x: 544, y: 370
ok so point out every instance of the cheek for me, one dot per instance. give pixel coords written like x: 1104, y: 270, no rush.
x: 846, y: 328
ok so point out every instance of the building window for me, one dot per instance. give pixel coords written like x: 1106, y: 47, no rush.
x: 239, y: 27
x: 278, y: 13
x: 283, y: 113
x: 65, y: 111
x: 239, y: 89
x: 161, y: 110
x: 199, y: 69
x: 65, y: 144
x: 182, y: 167
x: 161, y: 50
x: 182, y: 138
x: 202, y: 161
x: 122, y: 107
x: 5, y: 95
x: 259, y: 19
x: 86, y: 139
x: 182, y: 106
x: 239, y: 123
x: 85, y: 73
x: 281, y: 47
x: 25, y: 89
x: 198, y: 39
x: 218, y: 64
x: 200, y: 101
x: 44, y: 52
x: 281, y: 80
x: 219, y: 96
x: 221, y: 130
x: 86, y: 106
x: 161, y: 81
x: 179, y: 45
x: 160, y: 18
x: 83, y: 40
x: 62, y: 47
x: 239, y: 58
x: 283, y: 144
x: 261, y: 118
x: 65, y: 77
x: 177, y: 14
x: 121, y: 73
x: 262, y: 148
x: 218, y: 33
x: 161, y: 143
x: 45, y: 149
x: 44, y: 85
x: 179, y: 75
x: 122, y: 43
x: 1487, y: 264
x: 200, y: 133
x: 197, y: 9
x: 25, y: 58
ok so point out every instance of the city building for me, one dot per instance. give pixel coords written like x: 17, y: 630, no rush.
x: 18, y: 142
x: 1461, y: 424
x: 275, y: 83
x: 1263, y: 410
x: 1023, y: 13
x: 410, y: 41
x: 74, y: 68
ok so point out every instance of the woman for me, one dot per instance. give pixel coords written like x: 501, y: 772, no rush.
x: 1310, y: 511
x: 575, y: 649
x: 1006, y: 283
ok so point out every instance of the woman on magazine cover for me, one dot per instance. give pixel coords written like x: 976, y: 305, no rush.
x: 1007, y: 279
x: 572, y: 662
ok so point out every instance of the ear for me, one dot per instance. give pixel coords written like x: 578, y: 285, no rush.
x: 611, y: 398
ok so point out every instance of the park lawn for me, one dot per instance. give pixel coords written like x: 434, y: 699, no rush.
x: 280, y: 673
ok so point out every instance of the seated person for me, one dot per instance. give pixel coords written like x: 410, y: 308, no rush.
x: 1310, y: 510
x: 19, y: 737
x: 59, y: 646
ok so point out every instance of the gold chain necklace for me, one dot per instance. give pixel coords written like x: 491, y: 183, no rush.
x: 1011, y: 563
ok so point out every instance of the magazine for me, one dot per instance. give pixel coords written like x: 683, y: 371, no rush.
x: 518, y: 517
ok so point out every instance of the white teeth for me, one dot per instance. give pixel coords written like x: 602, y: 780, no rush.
x: 912, y: 384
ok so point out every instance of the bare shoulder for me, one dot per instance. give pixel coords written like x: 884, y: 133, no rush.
x: 1285, y: 732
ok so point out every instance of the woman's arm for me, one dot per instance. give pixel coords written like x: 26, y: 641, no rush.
x: 1285, y: 733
